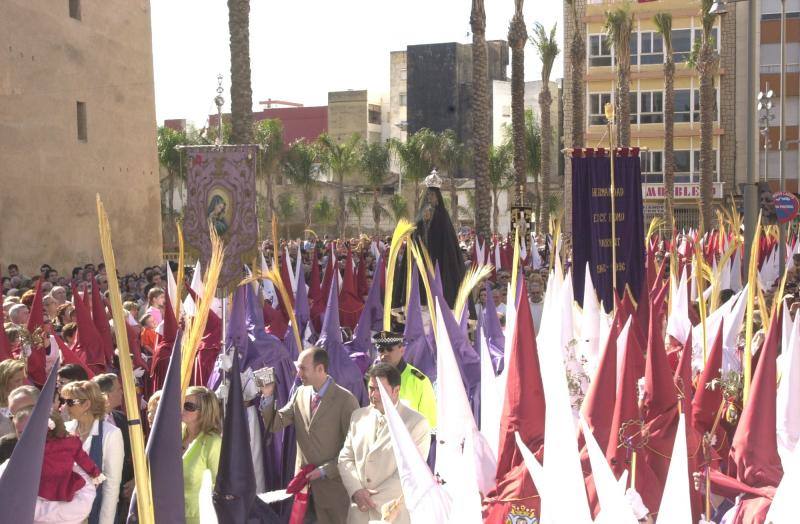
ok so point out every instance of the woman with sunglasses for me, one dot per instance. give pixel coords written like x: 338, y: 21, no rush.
x: 201, y: 444
x: 86, y: 407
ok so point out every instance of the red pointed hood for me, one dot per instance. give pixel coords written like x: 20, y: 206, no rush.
x: 651, y: 269
x: 287, y: 281
x: 274, y: 322
x: 706, y: 402
x: 135, y: 347
x: 660, y: 395
x: 754, y: 448
x: 87, y: 339
x: 361, y: 276
x: 330, y: 269
x: 36, y: 318
x: 523, y: 412
x: 170, y: 323
x: 68, y: 356
x: 350, y: 304
x: 100, y: 320
x: 314, y: 289
x: 683, y: 376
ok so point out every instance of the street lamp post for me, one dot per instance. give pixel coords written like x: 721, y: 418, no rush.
x: 765, y: 108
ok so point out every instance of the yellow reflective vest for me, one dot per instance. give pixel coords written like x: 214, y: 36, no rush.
x: 417, y: 392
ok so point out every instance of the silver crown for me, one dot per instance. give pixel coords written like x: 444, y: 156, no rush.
x: 433, y: 180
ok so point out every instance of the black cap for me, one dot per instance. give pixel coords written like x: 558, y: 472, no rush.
x: 387, y: 338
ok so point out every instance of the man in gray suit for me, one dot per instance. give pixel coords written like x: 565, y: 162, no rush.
x: 320, y: 410
x: 366, y: 462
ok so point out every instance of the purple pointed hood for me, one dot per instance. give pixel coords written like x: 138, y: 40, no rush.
x: 165, y: 449
x: 19, y: 483
x: 371, y: 320
x: 493, y: 330
x: 418, y: 350
x: 344, y: 371
x: 468, y: 360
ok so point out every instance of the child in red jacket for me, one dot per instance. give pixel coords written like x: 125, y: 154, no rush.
x: 59, y: 481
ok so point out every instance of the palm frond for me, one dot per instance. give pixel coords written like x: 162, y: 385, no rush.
x: 402, y: 231
x: 472, y: 278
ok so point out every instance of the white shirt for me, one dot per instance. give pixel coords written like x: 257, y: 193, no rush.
x: 113, y: 456
x: 536, y: 314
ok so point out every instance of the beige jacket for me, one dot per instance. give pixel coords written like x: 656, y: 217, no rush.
x: 319, y: 439
x: 367, y: 459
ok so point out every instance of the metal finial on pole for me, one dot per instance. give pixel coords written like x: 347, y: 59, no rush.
x: 219, y: 101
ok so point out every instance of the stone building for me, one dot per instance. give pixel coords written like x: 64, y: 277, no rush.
x: 77, y: 118
x: 647, y: 99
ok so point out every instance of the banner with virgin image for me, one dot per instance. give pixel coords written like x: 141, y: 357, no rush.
x: 591, y: 223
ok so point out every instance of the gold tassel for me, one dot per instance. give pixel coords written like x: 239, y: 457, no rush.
x: 403, y: 229
x: 141, y: 470
x: 196, y: 325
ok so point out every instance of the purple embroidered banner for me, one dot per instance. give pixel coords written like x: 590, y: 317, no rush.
x: 221, y: 193
x: 591, y: 223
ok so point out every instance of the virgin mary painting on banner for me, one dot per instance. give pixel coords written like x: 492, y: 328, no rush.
x: 221, y: 194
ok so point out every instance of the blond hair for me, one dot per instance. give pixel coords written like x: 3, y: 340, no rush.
x: 8, y: 368
x: 88, y: 390
x: 209, y: 409
x: 152, y: 406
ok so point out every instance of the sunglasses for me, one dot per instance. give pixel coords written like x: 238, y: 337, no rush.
x: 70, y: 401
x: 191, y: 407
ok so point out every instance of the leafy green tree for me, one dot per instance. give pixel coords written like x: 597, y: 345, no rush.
x: 286, y: 209
x: 301, y: 168
x: 356, y: 206
x: 375, y: 164
x: 398, y: 207
x: 415, y: 159
x: 268, y: 134
x: 324, y: 213
x: 342, y: 160
x: 500, y: 176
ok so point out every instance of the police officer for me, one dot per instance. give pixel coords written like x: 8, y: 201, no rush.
x: 415, y: 388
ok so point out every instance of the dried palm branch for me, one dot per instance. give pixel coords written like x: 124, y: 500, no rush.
x: 472, y: 278
x: 403, y: 229
x: 752, y: 282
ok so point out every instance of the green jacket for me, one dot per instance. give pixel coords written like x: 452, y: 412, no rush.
x: 202, y: 454
x: 417, y: 391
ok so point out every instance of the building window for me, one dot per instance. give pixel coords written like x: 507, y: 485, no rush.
x: 633, y: 101
x: 634, y: 48
x: 652, y: 166
x: 374, y: 114
x: 403, y: 74
x: 696, y: 165
x: 75, y: 9
x: 681, y: 44
x: 403, y: 100
x: 696, y: 112
x: 698, y: 37
x: 599, y: 51
x: 597, y: 104
x: 651, y: 107
x: 683, y: 166
x: 82, y: 128
x: 683, y: 105
x: 652, y: 48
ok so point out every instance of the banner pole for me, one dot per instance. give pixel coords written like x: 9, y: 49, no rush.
x: 609, y: 111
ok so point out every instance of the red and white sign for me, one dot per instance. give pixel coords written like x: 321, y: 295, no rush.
x: 682, y: 191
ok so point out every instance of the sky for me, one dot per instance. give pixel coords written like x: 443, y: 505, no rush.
x: 301, y: 49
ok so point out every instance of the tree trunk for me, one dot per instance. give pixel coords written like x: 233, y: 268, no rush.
x: 495, y: 212
x: 307, y: 208
x: 241, y: 90
x: 341, y: 219
x: 454, y: 201
x: 577, y: 66
x: 669, y: 141
x: 623, y: 102
x: 480, y: 120
x: 376, y: 211
x: 537, y: 203
x: 416, y: 200
x: 171, y: 196
x: 545, y: 100
x: 517, y: 38
x: 706, y: 61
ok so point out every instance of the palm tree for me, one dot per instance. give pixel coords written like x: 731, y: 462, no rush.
x: 375, y: 164
x: 241, y: 90
x: 619, y: 24
x: 481, y: 131
x: 577, y: 63
x: 325, y: 213
x: 356, y: 205
x: 663, y: 22
x: 501, y: 176
x: 341, y: 159
x: 300, y: 166
x: 517, y: 37
x: 547, y: 47
x: 398, y: 207
x: 706, y: 64
x: 414, y: 159
x: 287, y: 207
x: 533, y: 147
x: 170, y: 158
x: 453, y: 155
x: 269, y: 134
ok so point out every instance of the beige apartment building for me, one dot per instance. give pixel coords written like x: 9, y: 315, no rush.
x: 647, y: 98
x: 77, y: 118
